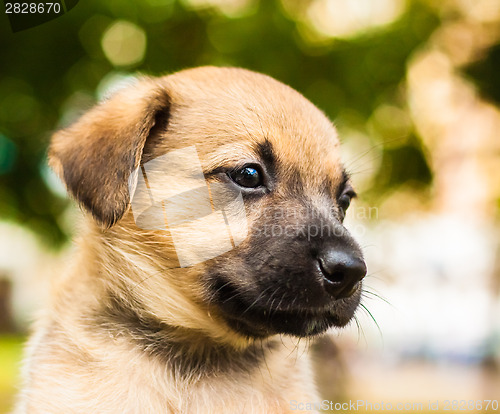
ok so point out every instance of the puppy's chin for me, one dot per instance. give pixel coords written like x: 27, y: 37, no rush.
x: 250, y: 318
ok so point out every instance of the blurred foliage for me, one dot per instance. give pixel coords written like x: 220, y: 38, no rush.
x: 10, y: 360
x: 414, y: 171
x: 50, y: 73
x: 484, y: 73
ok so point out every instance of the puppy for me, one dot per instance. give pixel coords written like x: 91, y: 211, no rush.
x: 215, y: 201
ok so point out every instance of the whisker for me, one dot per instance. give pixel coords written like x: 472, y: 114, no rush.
x: 257, y: 299
x: 360, y: 329
x: 377, y: 295
x: 373, y: 319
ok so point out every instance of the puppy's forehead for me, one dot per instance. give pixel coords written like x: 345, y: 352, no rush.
x: 233, y: 114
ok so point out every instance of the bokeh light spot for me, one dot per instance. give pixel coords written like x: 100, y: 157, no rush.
x: 344, y: 19
x: 113, y: 82
x: 124, y: 43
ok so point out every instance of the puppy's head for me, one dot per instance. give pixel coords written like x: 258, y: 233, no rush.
x: 227, y: 188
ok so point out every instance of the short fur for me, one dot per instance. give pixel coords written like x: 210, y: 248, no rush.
x: 129, y: 330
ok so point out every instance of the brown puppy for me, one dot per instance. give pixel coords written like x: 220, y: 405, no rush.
x: 216, y: 200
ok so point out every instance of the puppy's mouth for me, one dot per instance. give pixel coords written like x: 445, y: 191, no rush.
x: 254, y: 318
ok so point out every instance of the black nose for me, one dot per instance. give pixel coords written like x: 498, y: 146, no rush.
x: 341, y: 271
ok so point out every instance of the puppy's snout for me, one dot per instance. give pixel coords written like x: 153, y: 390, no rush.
x: 341, y: 272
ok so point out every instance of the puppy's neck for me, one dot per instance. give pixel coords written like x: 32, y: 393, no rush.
x: 189, y: 354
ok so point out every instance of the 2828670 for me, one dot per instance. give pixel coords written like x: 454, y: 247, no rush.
x: 32, y: 8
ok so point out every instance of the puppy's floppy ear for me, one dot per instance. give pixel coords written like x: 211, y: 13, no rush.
x: 96, y: 156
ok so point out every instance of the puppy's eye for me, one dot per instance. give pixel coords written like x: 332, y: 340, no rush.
x: 248, y: 177
x: 345, y: 200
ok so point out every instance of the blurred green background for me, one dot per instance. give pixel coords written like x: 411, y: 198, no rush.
x: 51, y: 71
x: 412, y: 86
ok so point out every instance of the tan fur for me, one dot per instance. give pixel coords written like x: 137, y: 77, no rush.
x: 75, y: 365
